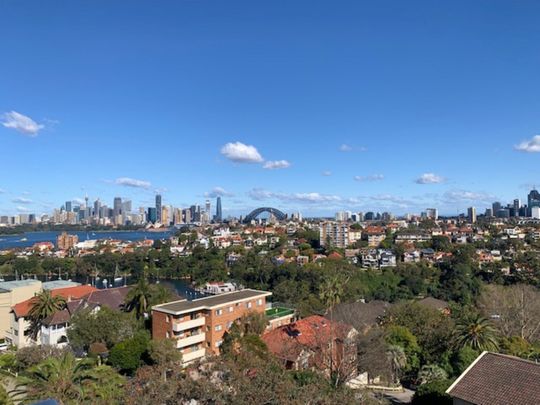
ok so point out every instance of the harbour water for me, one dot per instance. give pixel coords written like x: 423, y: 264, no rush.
x: 27, y: 239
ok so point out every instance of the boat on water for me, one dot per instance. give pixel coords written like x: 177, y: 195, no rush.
x: 23, y: 239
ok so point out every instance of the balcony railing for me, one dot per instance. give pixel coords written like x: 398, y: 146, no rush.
x: 185, y: 325
x: 191, y: 340
x: 197, y: 354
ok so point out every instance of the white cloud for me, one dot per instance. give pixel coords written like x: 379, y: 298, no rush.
x: 241, y: 153
x: 532, y: 146
x: 276, y: 164
x: 326, y: 173
x: 371, y: 177
x: 348, y: 148
x: 218, y: 192
x: 21, y: 123
x: 129, y: 182
x: 429, y: 178
x: 2, y: 191
x: 400, y: 201
x: 22, y: 209
x: 22, y: 200
x: 261, y: 194
x: 455, y: 196
x: 78, y: 200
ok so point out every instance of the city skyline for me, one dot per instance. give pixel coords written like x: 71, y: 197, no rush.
x: 391, y: 109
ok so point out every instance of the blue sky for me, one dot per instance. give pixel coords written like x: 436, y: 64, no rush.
x: 312, y: 105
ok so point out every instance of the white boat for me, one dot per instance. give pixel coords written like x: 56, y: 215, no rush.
x: 23, y: 239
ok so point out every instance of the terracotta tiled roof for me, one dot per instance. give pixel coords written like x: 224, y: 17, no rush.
x: 22, y: 308
x: 288, y: 341
x: 497, y: 379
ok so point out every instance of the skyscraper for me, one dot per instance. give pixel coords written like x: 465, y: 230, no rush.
x: 152, y: 214
x: 117, y: 207
x: 471, y: 214
x: 207, y: 207
x: 69, y: 207
x: 496, y: 206
x: 158, y: 208
x: 517, y: 205
x: 97, y: 208
x: 533, y: 200
x: 219, y: 214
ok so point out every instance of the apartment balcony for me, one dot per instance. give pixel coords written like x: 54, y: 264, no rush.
x: 191, y: 340
x: 185, y: 325
x: 191, y: 356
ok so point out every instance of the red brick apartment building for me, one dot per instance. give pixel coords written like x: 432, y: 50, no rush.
x: 198, y: 326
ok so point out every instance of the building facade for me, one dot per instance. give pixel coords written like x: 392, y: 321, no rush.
x: 198, y: 326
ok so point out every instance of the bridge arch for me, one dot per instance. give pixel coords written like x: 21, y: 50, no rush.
x: 256, y: 212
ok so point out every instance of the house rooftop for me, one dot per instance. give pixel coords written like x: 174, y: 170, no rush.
x: 22, y: 308
x: 182, y: 306
x: 498, y: 379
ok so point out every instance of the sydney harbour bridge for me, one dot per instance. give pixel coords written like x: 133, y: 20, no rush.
x: 280, y: 216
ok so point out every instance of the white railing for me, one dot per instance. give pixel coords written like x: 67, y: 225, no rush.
x: 188, y: 341
x: 197, y: 354
x: 185, y: 325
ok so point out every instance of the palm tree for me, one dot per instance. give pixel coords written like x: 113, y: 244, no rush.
x: 44, y: 304
x: 138, y: 299
x: 477, y: 333
x: 159, y: 294
x: 330, y: 294
x: 398, y: 360
x: 61, y: 378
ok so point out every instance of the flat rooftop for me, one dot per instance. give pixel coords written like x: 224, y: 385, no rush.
x: 12, y: 285
x: 182, y: 306
x: 53, y: 285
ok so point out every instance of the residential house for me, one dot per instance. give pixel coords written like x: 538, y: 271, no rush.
x: 315, y: 343
x: 497, y: 379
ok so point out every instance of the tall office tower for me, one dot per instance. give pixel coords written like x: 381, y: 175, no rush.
x: 489, y: 212
x: 158, y: 207
x: 496, y: 206
x: 69, y: 206
x: 517, y: 205
x: 432, y: 213
x: 97, y: 209
x: 219, y: 213
x: 207, y: 207
x: 187, y: 216
x: 126, y: 207
x: 117, y: 207
x: 471, y: 214
x: 151, y: 215
x: 177, y: 216
x: 165, y: 215
x: 533, y: 200
x: 104, y: 212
